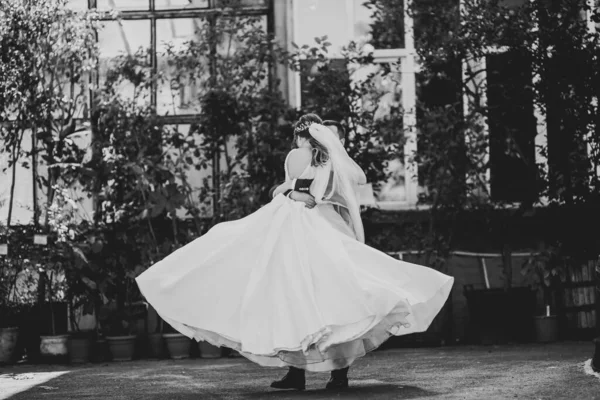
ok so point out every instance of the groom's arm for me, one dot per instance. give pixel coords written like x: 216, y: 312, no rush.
x: 301, y: 185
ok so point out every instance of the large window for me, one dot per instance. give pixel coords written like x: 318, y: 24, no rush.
x: 160, y: 27
x: 512, y: 128
x: 123, y: 37
x: 177, y: 95
x: 141, y: 26
x: 516, y: 130
x: 178, y: 4
x: 343, y: 21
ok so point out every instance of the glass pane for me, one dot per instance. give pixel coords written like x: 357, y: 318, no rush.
x: 77, y: 5
x: 362, y: 21
x: 235, y: 31
x: 512, y: 127
x: 79, y: 93
x: 322, y: 18
x: 384, y: 100
x: 388, y: 32
x: 123, y: 38
x: 595, y: 13
x: 196, y: 174
x: 240, y: 3
x: 178, y: 4
x: 315, y: 76
x: 253, y: 2
x: 183, y: 72
x: 22, y: 212
x: 513, y: 3
x: 123, y: 4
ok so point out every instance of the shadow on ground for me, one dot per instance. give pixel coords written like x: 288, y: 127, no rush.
x: 358, y: 392
x: 553, y: 371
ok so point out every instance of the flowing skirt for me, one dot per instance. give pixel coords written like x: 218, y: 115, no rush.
x: 289, y: 286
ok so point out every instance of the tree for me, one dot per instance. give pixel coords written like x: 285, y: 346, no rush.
x: 48, y: 55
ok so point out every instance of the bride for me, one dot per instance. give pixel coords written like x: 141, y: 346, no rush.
x: 292, y: 286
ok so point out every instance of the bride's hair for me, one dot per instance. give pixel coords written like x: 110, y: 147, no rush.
x: 320, y: 155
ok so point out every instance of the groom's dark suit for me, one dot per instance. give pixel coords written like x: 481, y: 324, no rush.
x: 302, y: 185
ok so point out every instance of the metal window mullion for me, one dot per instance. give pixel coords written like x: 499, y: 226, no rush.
x: 184, y: 13
x: 271, y: 31
x: 94, y: 83
x: 409, y: 106
x: 541, y: 137
x: 478, y: 84
x: 592, y: 144
x: 153, y: 62
x: 216, y: 162
x: 295, y: 93
x: 591, y: 25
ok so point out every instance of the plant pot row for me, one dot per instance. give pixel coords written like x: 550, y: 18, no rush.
x: 51, y: 348
x: 82, y: 348
x: 174, y: 345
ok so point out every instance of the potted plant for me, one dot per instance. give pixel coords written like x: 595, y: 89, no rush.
x: 9, y: 331
x: 178, y: 345
x: 54, y: 339
x: 117, y: 318
x: 208, y: 350
x: 81, y: 303
x: 156, y: 342
x: 80, y: 341
x: 548, y: 268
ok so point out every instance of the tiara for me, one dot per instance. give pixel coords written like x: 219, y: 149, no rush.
x: 303, y: 126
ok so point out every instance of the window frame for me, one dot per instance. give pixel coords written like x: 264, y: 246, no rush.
x: 408, y: 70
x: 541, y: 139
x: 479, y: 85
x: 153, y: 14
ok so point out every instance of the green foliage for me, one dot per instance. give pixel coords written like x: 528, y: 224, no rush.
x: 551, y: 43
x: 387, y: 28
x: 549, y: 267
x: 48, y: 54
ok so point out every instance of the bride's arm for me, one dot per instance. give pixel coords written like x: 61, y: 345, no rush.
x: 296, y: 163
x: 288, y: 185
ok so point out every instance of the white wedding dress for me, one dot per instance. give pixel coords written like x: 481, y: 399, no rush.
x: 291, y: 286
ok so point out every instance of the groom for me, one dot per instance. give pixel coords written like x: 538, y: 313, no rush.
x: 295, y: 378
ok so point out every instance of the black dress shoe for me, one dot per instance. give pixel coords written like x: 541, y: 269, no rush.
x: 294, y: 379
x: 337, y: 384
x: 338, y: 380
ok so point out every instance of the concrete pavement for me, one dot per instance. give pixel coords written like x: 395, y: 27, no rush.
x: 533, y: 371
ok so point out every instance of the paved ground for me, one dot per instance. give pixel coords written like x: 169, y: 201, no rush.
x: 553, y: 371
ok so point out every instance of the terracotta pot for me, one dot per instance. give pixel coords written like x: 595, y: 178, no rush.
x: 80, y: 348
x: 596, y: 357
x: 546, y: 328
x: 207, y: 350
x: 8, y: 344
x: 178, y: 345
x: 121, y: 347
x: 156, y: 345
x: 54, y: 347
x: 100, y: 351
